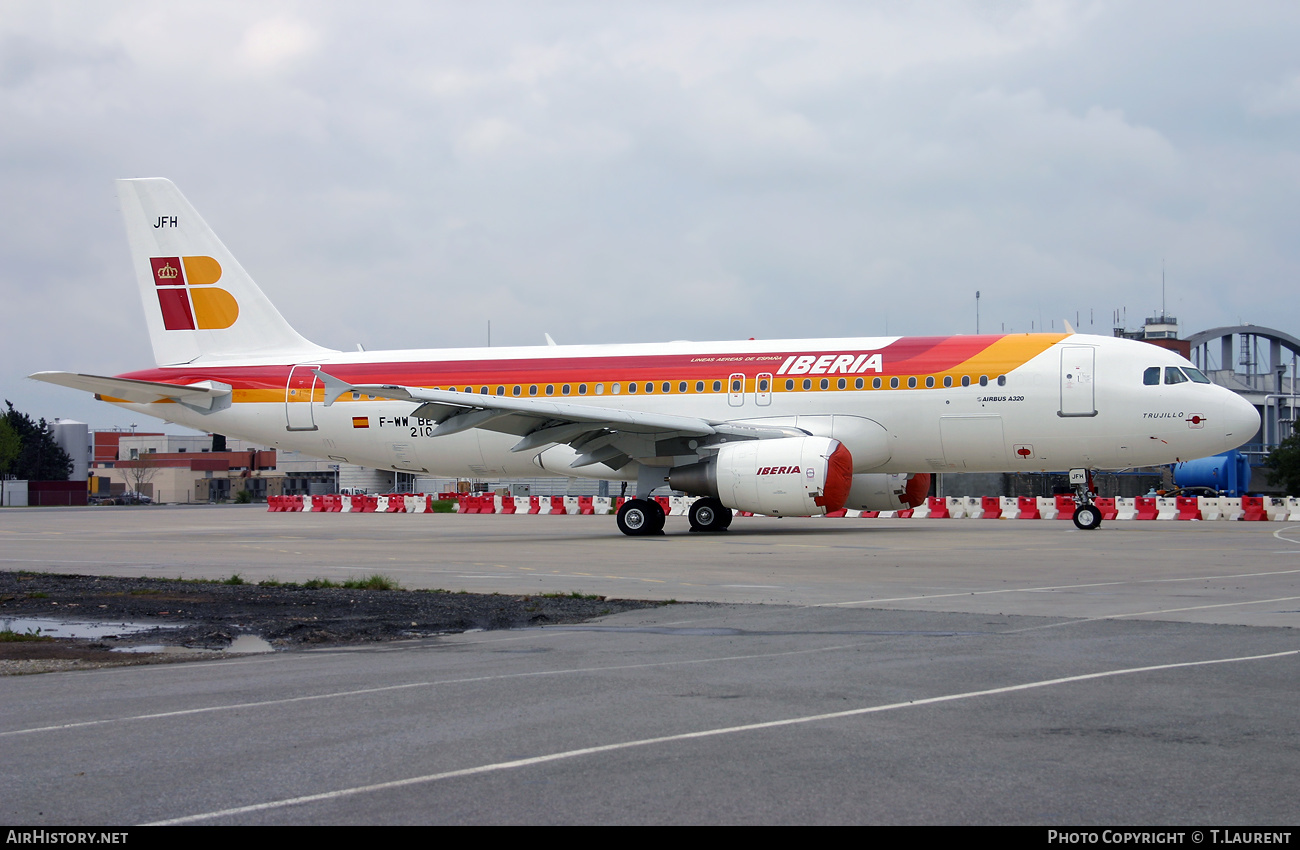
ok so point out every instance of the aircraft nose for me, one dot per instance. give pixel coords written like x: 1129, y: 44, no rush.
x: 1241, y: 421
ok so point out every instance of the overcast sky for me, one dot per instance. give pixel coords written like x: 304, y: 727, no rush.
x: 398, y: 174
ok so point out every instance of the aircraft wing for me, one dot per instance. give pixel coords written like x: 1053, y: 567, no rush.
x: 201, y: 394
x: 600, y: 434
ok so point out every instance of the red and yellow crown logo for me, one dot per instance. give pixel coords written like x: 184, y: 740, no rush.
x: 188, y: 300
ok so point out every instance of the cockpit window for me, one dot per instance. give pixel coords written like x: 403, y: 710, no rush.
x: 1151, y: 377
x: 1174, y: 375
x: 1196, y: 375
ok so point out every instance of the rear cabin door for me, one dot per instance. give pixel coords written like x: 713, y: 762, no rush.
x: 299, y: 399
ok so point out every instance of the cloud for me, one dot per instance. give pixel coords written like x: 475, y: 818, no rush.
x: 611, y: 172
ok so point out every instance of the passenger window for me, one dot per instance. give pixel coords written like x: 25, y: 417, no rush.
x: 737, y: 386
x: 482, y: 391
x: 762, y: 385
x: 842, y: 383
x: 699, y: 386
x: 717, y: 386
x: 826, y: 382
x: 858, y: 384
x: 1002, y: 380
x: 807, y: 383
x: 515, y: 390
x: 501, y: 390
x: 1174, y: 375
x: 1151, y: 377
x: 631, y: 386
x: 681, y: 387
x: 947, y: 380
x: 984, y: 380
x: 469, y: 389
x: 965, y: 380
x: 564, y: 390
x: 582, y: 389
x: 911, y: 383
x: 893, y: 383
x: 614, y: 388
x: 875, y: 383
x: 532, y: 389
x: 789, y: 383
x: 929, y: 382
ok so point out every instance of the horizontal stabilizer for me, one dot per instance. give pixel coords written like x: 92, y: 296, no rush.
x: 201, y: 395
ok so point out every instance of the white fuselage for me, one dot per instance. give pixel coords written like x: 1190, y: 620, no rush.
x: 1071, y: 401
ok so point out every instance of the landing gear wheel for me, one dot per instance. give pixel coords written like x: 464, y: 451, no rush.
x: 640, y: 517
x: 709, y: 514
x: 1087, y: 517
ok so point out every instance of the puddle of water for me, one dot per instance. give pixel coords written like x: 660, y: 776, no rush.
x: 249, y: 644
x: 76, y: 628
x: 93, y: 630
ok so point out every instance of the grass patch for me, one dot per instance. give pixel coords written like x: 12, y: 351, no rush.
x: 235, y: 578
x: 38, y: 594
x: 374, y: 582
x: 144, y: 591
x: 10, y: 636
x: 320, y: 584
x: 574, y: 595
x: 443, y: 506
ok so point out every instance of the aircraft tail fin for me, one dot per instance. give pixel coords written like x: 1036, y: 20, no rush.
x: 199, y: 303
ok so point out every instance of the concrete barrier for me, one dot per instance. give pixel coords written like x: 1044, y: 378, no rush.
x: 1188, y: 508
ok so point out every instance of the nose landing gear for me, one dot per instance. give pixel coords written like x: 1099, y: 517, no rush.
x: 1086, y: 515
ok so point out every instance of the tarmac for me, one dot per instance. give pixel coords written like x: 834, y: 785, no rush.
x: 845, y: 671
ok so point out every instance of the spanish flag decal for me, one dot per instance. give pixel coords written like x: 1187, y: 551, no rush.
x: 360, y: 421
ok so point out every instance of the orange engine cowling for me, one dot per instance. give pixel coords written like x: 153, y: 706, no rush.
x: 884, y: 492
x: 791, y: 476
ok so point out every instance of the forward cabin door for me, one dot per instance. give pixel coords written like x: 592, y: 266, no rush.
x: 299, y: 399
x: 1078, y: 391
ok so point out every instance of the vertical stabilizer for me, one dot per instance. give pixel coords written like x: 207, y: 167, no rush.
x: 199, y: 303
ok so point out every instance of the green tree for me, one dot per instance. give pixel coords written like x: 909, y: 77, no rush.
x: 39, y: 458
x: 1284, y: 465
x: 10, y: 445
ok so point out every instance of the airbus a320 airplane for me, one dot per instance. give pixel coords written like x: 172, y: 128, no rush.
x: 777, y: 427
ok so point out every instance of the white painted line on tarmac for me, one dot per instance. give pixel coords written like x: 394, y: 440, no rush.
x: 1052, y: 588
x: 431, y: 684
x: 686, y: 736
x: 1078, y: 620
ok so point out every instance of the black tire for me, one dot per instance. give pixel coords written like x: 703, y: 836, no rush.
x: 1087, y: 517
x: 639, y: 517
x: 709, y: 514
x: 658, y: 517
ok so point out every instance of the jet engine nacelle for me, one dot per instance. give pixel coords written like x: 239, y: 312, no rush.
x: 882, y: 492
x: 790, y: 476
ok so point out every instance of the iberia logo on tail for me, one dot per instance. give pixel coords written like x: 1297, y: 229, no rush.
x: 187, y: 297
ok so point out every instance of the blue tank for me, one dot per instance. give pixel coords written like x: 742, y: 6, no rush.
x: 1228, y: 473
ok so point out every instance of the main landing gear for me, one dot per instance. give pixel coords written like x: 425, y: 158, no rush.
x: 641, y: 517
x: 709, y: 514
x: 1086, y: 514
